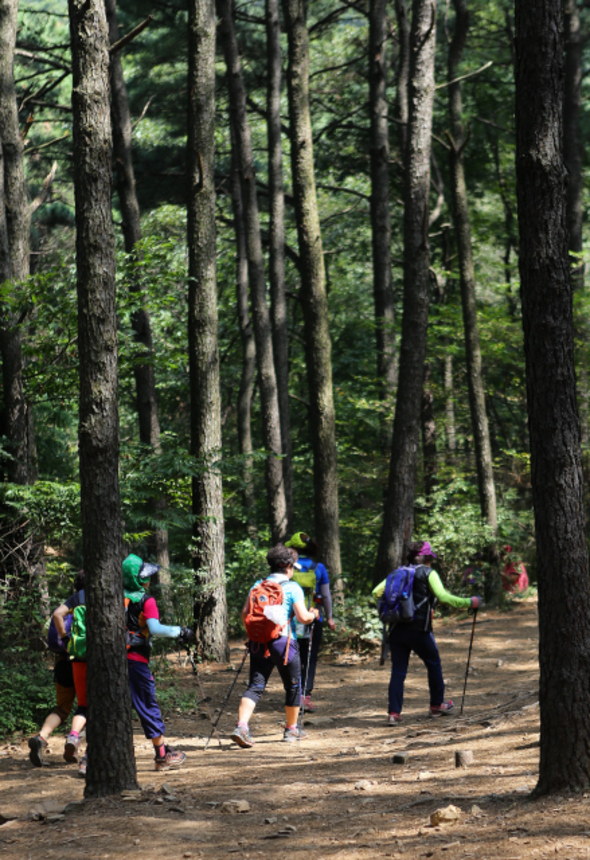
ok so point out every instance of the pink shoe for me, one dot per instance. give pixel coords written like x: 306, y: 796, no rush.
x: 308, y: 706
x: 394, y: 719
x: 442, y: 709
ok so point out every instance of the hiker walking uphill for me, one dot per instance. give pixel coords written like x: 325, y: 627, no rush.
x: 313, y: 577
x: 63, y: 678
x: 414, y: 632
x: 270, y: 612
x: 142, y: 620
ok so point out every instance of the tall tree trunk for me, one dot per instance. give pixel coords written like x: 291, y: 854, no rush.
x: 398, y: 514
x: 145, y: 383
x: 318, y: 349
x: 269, y: 400
x: 556, y: 461
x: 111, y: 762
x: 14, y: 259
x: 573, y: 155
x: 428, y: 436
x: 248, y: 346
x: 477, y: 404
x: 208, y: 557
x: 276, y: 205
x: 450, y: 429
x: 403, y: 74
x: 380, y: 214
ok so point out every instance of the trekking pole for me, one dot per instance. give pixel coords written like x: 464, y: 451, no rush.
x: 468, y: 659
x: 302, y: 705
x: 191, y: 657
x: 226, y: 700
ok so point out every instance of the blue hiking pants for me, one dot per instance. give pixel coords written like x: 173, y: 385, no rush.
x: 402, y: 641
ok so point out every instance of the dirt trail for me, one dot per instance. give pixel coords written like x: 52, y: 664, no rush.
x: 338, y: 794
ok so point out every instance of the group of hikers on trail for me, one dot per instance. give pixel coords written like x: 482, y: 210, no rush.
x: 67, y: 639
x: 283, y: 614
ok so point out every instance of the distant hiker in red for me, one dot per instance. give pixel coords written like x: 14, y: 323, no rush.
x: 514, y: 575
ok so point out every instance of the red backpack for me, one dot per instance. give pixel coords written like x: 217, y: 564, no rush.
x: 258, y: 627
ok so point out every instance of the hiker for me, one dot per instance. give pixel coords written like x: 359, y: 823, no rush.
x: 63, y: 679
x: 514, y: 575
x: 78, y: 664
x: 417, y: 636
x: 282, y: 651
x: 308, y: 568
x: 143, y: 620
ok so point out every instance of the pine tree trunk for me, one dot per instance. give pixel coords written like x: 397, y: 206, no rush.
x: 398, y: 515
x: 318, y: 347
x: 145, y: 383
x: 248, y: 348
x: 111, y: 762
x: 14, y: 259
x: 477, y: 405
x: 450, y: 429
x: 380, y: 214
x: 428, y: 436
x: 208, y: 557
x: 269, y: 400
x: 556, y: 462
x: 276, y: 196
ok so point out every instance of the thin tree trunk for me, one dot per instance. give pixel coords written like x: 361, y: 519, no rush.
x: 269, y: 400
x: 276, y: 205
x: 111, y: 762
x: 428, y: 436
x: 18, y: 426
x: 318, y: 349
x: 208, y: 556
x: 398, y: 515
x: 380, y: 214
x: 556, y: 459
x: 573, y: 152
x: 477, y: 405
x: 145, y: 383
x: 248, y: 347
x: 403, y: 74
x: 450, y: 429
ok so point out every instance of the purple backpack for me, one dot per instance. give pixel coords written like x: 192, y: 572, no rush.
x: 54, y: 641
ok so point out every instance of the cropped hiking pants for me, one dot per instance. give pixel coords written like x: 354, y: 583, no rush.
x: 402, y: 641
x: 261, y: 667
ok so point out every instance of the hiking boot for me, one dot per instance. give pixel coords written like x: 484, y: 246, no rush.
x: 242, y: 736
x: 172, y: 759
x: 37, y: 747
x: 293, y: 734
x: 83, y: 766
x: 71, y: 749
x: 441, y: 710
x: 394, y: 719
x: 308, y: 705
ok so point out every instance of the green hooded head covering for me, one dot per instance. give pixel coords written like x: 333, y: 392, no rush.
x: 299, y: 541
x: 135, y: 573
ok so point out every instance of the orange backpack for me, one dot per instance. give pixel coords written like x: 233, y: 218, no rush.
x: 258, y: 627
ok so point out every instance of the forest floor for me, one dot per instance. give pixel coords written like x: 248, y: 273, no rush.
x: 338, y: 793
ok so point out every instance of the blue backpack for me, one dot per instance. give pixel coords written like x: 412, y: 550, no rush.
x: 397, y: 602
x: 54, y: 642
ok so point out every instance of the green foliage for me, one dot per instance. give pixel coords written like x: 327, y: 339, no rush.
x: 25, y: 695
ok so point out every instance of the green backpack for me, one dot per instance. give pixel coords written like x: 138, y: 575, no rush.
x: 77, y: 643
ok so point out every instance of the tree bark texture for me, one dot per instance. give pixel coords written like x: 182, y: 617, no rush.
x: 380, y: 213
x: 428, y: 436
x: 556, y: 463
x: 145, y: 382
x: 402, y: 74
x: 276, y: 204
x: 450, y: 429
x: 269, y: 399
x: 208, y: 556
x: 475, y: 383
x: 398, y: 515
x: 111, y: 762
x: 14, y: 261
x: 318, y: 347
x: 246, y: 390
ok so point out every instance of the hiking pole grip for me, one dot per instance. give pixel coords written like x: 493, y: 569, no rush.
x: 226, y: 700
x: 468, y: 659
